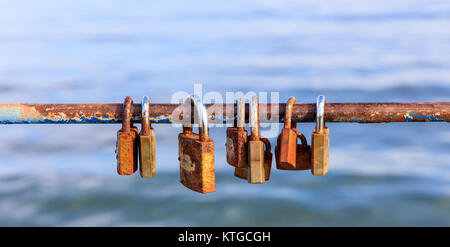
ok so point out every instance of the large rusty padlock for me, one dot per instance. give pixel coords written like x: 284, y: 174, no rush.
x: 288, y: 154
x: 127, y: 145
x: 320, y: 141
x: 147, y: 143
x: 236, y: 144
x: 196, y: 151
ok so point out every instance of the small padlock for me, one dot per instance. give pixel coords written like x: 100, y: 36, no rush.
x: 126, y: 145
x: 256, y: 173
x: 196, y: 151
x: 243, y: 172
x: 147, y: 143
x: 288, y: 140
x: 288, y: 154
x: 237, y: 139
x: 320, y: 141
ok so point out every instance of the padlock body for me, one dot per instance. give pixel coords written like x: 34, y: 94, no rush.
x: 320, y: 152
x: 243, y: 172
x: 126, y: 151
x: 303, y: 161
x: 196, y: 163
x: 237, y: 147
x: 303, y: 158
x: 256, y: 172
x: 288, y: 148
x: 147, y: 154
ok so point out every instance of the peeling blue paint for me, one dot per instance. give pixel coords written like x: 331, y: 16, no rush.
x: 295, y: 119
x: 411, y: 116
x: 408, y: 118
x: 219, y: 118
x: 9, y: 114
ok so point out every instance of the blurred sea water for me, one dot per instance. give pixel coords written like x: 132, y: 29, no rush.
x: 395, y: 174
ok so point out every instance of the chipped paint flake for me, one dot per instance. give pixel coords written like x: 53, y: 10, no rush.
x: 410, y: 117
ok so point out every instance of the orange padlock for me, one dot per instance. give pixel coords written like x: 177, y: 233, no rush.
x: 127, y: 145
x: 288, y: 154
x: 288, y: 140
x: 237, y: 139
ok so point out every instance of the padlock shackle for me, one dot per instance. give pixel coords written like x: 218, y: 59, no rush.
x: 145, y: 123
x: 254, y: 119
x: 240, y: 123
x: 268, y: 146
x: 320, y: 110
x: 127, y: 110
x: 302, y: 138
x: 288, y: 112
x: 200, y: 112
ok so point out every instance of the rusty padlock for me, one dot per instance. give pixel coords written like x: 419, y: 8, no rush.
x: 287, y: 140
x: 196, y: 151
x: 126, y: 145
x: 237, y: 139
x: 288, y: 154
x: 147, y: 143
x: 320, y: 141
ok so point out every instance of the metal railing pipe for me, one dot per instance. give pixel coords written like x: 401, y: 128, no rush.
x: 167, y: 113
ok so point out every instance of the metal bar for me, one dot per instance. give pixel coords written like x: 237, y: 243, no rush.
x: 167, y: 113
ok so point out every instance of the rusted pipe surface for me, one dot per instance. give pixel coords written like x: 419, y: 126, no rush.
x: 167, y: 113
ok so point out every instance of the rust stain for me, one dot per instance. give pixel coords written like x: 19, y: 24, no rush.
x: 236, y: 147
x: 196, y: 157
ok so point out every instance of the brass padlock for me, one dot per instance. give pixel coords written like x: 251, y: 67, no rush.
x: 196, y: 151
x: 256, y: 173
x: 147, y: 143
x: 243, y: 172
x: 126, y: 145
x: 320, y: 141
x: 237, y: 139
x: 288, y: 154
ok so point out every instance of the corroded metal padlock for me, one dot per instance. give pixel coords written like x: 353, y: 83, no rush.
x: 126, y: 145
x: 237, y: 139
x: 256, y: 173
x: 288, y: 154
x: 196, y: 151
x: 147, y: 143
x: 320, y: 141
x: 243, y: 172
x: 287, y: 140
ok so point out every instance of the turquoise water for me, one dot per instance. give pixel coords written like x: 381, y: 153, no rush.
x: 395, y: 174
